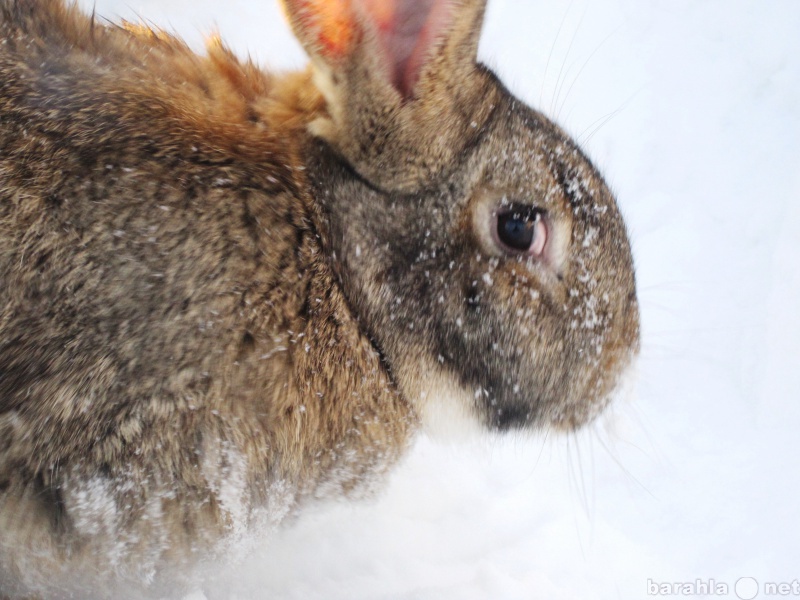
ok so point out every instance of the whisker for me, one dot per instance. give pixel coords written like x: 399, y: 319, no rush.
x: 541, y: 450
x: 625, y: 470
x: 637, y: 418
x: 583, y: 138
x: 586, y: 62
x: 552, y: 49
x: 573, y: 480
x: 587, y: 505
x: 560, y: 81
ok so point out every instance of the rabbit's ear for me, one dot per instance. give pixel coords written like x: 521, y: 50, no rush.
x: 393, y: 72
x: 405, y: 33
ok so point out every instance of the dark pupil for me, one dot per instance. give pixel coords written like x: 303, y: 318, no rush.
x: 516, y: 228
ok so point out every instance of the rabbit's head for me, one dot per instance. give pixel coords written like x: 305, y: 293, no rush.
x: 484, y: 254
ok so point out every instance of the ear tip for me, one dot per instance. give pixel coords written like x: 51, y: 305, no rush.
x: 326, y: 27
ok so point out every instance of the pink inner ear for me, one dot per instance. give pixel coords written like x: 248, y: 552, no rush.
x: 408, y: 31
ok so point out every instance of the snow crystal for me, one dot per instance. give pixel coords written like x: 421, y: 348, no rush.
x: 94, y: 509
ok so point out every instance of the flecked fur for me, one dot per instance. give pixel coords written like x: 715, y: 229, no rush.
x: 224, y: 291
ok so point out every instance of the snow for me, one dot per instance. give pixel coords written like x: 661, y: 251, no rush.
x: 692, y: 110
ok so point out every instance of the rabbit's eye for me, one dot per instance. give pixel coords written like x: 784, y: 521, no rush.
x: 521, y: 229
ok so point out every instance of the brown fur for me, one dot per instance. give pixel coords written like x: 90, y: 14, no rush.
x: 216, y: 296
x: 222, y: 311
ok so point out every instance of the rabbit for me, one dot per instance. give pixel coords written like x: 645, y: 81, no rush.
x: 226, y: 293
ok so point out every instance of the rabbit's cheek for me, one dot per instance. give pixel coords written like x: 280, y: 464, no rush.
x: 605, y: 385
x: 602, y: 339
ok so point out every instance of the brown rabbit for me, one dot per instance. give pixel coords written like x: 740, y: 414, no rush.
x: 224, y: 292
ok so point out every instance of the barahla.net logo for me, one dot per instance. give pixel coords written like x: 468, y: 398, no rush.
x: 745, y: 588
x: 699, y: 587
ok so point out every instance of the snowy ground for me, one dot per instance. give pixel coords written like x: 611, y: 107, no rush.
x: 692, y: 109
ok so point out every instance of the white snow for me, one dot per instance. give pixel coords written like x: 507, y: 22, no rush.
x: 692, y: 110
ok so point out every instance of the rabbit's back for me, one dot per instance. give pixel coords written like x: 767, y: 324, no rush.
x: 132, y: 229
x: 166, y: 312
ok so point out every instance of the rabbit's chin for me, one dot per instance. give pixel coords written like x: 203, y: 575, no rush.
x: 448, y: 411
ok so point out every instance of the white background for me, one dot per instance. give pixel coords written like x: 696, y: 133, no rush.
x: 692, y: 110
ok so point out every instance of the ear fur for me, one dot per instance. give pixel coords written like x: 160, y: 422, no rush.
x: 403, y: 89
x: 326, y: 28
